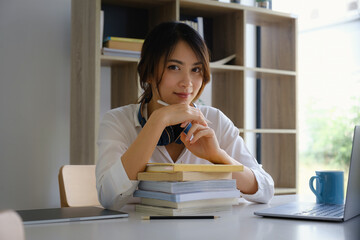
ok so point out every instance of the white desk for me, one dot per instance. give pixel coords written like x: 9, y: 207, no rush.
x: 240, y: 223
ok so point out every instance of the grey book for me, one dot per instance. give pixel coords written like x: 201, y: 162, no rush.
x: 183, y: 197
x: 190, y: 204
x: 181, y: 211
x: 192, y: 186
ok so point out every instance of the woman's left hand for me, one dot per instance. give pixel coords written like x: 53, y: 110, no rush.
x: 201, y: 141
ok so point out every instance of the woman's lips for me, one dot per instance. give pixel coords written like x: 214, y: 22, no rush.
x: 183, y: 95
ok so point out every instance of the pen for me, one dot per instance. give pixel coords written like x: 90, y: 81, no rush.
x: 177, y: 217
x: 166, y: 104
x: 162, y: 103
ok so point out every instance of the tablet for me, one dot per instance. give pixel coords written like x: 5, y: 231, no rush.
x: 67, y: 214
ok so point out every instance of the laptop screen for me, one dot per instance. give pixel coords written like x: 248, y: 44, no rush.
x: 352, y: 206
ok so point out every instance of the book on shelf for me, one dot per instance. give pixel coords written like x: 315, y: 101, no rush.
x: 182, y: 176
x: 223, y: 61
x: 191, y: 196
x: 178, y: 167
x: 184, y: 187
x: 120, y: 53
x: 196, y: 23
x: 190, y: 204
x: 101, y: 28
x: 179, y: 211
x: 130, y: 44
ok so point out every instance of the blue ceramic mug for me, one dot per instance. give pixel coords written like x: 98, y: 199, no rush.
x: 329, y: 187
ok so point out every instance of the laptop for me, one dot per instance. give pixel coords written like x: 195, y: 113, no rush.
x: 68, y: 214
x: 327, y: 212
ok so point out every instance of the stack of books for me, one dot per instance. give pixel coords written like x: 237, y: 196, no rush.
x: 123, y: 47
x: 186, y: 189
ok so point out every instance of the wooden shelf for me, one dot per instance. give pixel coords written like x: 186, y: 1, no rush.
x: 270, y: 71
x: 277, y: 131
x: 113, y: 61
x: 210, y: 7
x: 223, y: 68
x: 226, y: 26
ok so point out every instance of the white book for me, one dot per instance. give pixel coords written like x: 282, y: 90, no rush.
x: 192, y: 186
x: 190, y: 204
x: 183, y: 197
x: 180, y: 211
x: 120, y: 53
x: 223, y: 61
x: 200, y: 26
x: 101, y: 28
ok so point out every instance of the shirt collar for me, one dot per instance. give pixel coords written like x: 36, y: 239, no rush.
x: 144, y: 112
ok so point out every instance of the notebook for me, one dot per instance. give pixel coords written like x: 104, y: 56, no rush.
x: 327, y: 212
x: 68, y: 214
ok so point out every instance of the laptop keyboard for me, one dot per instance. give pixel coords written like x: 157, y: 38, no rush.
x: 325, y: 210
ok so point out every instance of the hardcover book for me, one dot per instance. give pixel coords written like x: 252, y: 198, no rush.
x: 130, y: 44
x: 190, y: 204
x: 120, y: 53
x: 178, y: 167
x: 183, y: 176
x: 183, y: 197
x: 192, y: 186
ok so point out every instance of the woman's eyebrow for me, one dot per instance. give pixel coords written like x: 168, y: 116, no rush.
x: 182, y: 63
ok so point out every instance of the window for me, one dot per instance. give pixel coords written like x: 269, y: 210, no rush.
x: 329, y: 84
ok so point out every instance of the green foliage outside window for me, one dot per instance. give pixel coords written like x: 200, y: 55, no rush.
x: 330, y: 133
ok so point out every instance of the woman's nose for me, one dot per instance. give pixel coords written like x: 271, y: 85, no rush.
x: 186, y: 80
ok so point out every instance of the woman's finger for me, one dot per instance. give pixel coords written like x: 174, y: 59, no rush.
x: 199, y: 134
x: 195, y: 127
x: 184, y: 124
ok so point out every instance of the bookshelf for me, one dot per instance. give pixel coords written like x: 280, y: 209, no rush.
x: 226, y: 30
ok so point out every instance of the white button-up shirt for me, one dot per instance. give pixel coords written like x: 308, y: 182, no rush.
x: 119, y: 129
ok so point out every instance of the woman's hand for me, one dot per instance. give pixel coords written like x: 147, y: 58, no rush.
x: 202, y: 142
x: 180, y: 114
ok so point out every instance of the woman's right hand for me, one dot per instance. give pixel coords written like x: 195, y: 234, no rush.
x: 179, y: 114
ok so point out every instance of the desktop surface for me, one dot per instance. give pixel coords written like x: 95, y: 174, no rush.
x: 240, y: 223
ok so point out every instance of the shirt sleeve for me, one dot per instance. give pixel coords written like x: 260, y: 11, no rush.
x: 233, y: 144
x: 114, y: 187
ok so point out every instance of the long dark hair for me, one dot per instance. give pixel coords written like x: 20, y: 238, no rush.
x: 160, y: 42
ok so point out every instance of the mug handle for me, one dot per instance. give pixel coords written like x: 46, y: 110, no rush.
x: 311, y: 185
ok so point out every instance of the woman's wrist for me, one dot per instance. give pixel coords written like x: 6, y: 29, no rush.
x: 224, y: 158
x: 157, y: 118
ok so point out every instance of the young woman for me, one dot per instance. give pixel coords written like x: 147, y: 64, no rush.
x: 174, y: 68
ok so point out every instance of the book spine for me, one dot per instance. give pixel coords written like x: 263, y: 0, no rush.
x: 131, y: 46
x: 101, y: 28
x: 121, y: 39
x: 209, y: 168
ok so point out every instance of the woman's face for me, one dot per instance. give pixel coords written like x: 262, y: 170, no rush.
x: 182, y: 78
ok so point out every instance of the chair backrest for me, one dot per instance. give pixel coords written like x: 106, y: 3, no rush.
x: 11, y: 226
x: 77, y: 185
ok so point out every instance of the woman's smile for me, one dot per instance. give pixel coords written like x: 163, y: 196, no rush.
x: 183, y: 95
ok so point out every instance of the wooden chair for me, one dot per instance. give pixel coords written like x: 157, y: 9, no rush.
x: 11, y: 226
x: 77, y: 185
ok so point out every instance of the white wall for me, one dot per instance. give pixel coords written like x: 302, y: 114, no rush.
x: 34, y: 100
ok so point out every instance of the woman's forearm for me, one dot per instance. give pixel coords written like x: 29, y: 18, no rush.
x: 140, y: 151
x: 245, y: 180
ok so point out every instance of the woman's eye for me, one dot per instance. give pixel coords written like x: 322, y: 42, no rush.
x: 173, y: 67
x: 196, y: 69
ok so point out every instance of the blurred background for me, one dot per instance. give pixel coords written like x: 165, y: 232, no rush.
x: 329, y: 83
